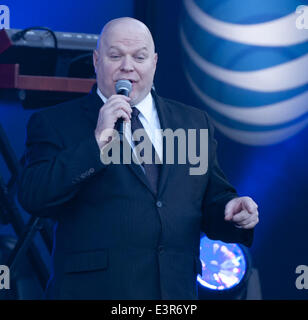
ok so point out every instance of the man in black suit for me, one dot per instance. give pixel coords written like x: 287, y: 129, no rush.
x: 126, y: 231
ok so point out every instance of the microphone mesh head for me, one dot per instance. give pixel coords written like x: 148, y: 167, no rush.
x: 123, y: 85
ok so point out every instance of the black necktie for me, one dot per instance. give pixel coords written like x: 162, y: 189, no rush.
x: 151, y: 170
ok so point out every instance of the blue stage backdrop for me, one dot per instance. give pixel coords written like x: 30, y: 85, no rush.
x: 247, y: 63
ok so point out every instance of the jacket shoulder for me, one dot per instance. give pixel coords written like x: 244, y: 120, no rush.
x: 183, y: 107
x: 188, y: 111
x: 68, y: 107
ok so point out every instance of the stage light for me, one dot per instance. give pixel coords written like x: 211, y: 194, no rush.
x: 225, y: 267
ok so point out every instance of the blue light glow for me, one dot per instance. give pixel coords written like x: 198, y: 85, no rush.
x: 223, y: 264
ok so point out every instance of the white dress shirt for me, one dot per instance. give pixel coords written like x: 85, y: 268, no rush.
x: 149, y: 119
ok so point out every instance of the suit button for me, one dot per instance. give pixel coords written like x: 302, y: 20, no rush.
x: 160, y: 249
x: 91, y: 170
x: 159, y: 204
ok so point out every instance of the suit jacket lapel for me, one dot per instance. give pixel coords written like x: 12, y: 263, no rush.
x: 137, y: 170
x: 92, y: 105
x: 166, y: 122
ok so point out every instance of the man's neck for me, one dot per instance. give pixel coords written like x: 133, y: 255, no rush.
x: 144, y: 101
x: 98, y: 91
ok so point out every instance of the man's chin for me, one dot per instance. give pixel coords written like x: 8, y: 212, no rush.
x: 135, y: 98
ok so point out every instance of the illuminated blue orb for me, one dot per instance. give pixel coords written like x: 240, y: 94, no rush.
x: 223, y: 264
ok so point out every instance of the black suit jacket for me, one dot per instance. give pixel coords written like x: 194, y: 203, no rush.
x: 115, y: 238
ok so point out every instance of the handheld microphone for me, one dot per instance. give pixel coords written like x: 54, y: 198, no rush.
x: 123, y: 87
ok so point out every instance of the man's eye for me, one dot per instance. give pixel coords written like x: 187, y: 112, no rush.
x: 114, y: 56
x: 140, y: 58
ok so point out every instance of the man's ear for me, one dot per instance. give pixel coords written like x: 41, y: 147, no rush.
x: 95, y: 58
x: 155, y: 58
x: 155, y: 61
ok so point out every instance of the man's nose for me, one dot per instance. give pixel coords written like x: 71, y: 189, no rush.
x: 127, y: 64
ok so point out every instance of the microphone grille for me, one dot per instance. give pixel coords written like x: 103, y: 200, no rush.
x: 125, y: 85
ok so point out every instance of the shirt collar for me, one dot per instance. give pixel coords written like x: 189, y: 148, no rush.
x: 101, y: 95
x: 145, y: 106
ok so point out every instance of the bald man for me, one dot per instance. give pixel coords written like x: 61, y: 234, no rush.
x: 126, y: 230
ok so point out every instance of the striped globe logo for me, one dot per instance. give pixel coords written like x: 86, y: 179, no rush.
x: 247, y: 61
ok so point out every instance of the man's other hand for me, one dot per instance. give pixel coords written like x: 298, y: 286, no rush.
x: 243, y: 212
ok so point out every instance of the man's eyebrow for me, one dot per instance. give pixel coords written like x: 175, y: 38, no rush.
x: 143, y: 48
x: 114, y: 47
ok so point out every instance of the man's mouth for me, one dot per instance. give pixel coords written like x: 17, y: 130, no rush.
x: 131, y: 80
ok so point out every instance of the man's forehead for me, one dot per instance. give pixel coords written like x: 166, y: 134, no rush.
x: 121, y: 46
x: 122, y: 41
